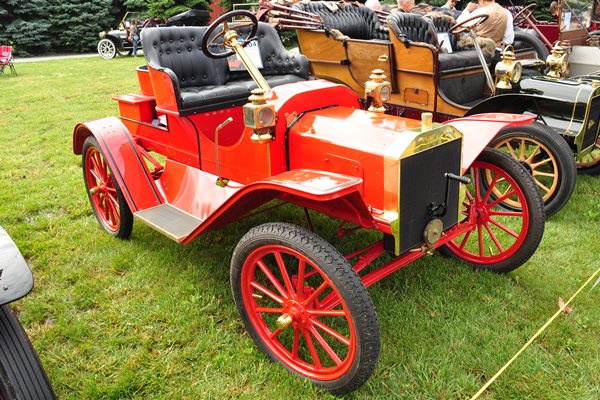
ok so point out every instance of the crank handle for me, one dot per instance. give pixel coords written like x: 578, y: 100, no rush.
x: 454, y: 177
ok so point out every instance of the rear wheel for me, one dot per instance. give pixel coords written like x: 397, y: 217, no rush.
x: 590, y: 164
x: 21, y: 373
x: 546, y: 156
x: 107, y: 49
x: 104, y: 193
x: 499, y: 240
x: 305, y: 307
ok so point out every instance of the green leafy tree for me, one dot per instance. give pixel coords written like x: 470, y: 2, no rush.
x: 168, y: 8
x: 76, y: 23
x: 24, y: 25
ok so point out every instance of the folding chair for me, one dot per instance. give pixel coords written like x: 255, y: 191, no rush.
x: 6, y: 59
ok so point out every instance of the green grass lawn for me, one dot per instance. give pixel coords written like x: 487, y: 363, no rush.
x: 148, y: 318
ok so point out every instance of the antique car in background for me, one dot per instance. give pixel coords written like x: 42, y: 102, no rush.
x: 22, y: 376
x: 344, y: 44
x: 238, y: 123
x: 116, y: 41
x: 576, y: 27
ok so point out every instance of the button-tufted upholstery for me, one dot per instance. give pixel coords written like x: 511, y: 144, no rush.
x: 410, y: 27
x: 204, y: 84
x: 356, y: 22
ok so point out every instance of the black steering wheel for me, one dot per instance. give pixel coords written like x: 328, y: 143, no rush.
x: 206, y: 44
x: 463, y: 26
x: 524, y: 14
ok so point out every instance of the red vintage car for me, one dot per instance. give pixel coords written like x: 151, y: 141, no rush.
x: 209, y: 139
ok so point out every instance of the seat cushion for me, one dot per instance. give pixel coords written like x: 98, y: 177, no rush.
x: 196, y: 99
x: 461, y: 61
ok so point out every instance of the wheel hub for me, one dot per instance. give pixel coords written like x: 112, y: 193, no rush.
x: 293, y: 311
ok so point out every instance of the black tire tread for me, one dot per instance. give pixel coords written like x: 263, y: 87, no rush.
x: 339, y: 271
x: 21, y: 373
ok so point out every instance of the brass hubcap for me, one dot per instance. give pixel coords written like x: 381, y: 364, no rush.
x: 284, y: 321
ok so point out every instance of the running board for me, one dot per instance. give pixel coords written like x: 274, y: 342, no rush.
x: 170, y: 221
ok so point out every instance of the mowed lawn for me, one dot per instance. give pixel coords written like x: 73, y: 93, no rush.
x: 148, y: 318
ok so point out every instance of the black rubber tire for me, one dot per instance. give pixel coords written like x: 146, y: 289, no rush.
x: 531, y: 41
x: 346, y: 282
x: 561, y: 153
x: 536, y: 214
x: 126, y: 224
x: 21, y: 373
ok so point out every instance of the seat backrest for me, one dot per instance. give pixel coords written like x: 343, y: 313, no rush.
x: 354, y: 21
x: 179, y: 49
x: 442, y: 23
x: 276, y: 60
x: 413, y: 27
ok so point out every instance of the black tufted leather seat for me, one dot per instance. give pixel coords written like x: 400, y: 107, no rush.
x: 410, y: 27
x: 356, y: 22
x: 205, y: 84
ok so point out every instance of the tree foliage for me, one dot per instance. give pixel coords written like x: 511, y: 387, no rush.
x: 76, y: 24
x: 24, y: 24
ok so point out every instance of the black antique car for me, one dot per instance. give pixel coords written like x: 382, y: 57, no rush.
x: 116, y: 41
x: 21, y: 373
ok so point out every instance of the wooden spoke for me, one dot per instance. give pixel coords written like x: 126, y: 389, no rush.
x: 338, y: 336
x: 504, y: 228
x: 325, y: 346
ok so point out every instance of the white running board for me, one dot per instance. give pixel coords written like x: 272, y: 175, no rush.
x: 170, y: 221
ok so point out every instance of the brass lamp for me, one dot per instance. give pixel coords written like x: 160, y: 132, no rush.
x: 259, y: 116
x: 378, y: 89
x: 557, y: 62
x: 508, y: 71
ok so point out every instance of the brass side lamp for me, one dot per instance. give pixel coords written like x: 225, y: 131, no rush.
x: 508, y: 71
x: 557, y: 62
x: 378, y: 89
x: 259, y: 115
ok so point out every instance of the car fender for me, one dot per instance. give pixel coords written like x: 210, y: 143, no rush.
x: 480, y: 129
x: 123, y: 158
x: 515, y: 103
x: 16, y: 279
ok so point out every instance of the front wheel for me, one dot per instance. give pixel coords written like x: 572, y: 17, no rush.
x: 107, y: 49
x: 21, y: 373
x: 106, y: 198
x: 499, y: 239
x: 305, y: 307
x: 546, y: 156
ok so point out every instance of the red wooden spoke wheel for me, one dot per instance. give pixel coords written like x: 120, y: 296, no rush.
x: 284, y: 279
x: 106, y: 198
x: 500, y: 239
